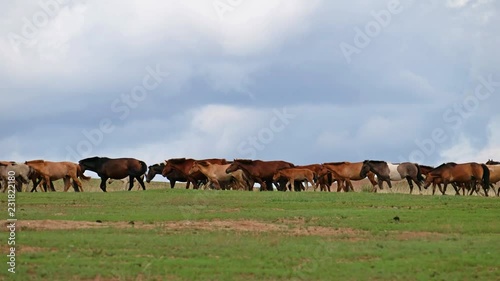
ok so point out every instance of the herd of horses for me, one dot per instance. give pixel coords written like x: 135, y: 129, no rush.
x: 242, y: 174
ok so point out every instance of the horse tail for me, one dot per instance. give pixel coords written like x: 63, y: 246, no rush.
x: 420, y: 178
x: 486, y: 177
x: 144, y: 167
x: 80, y: 174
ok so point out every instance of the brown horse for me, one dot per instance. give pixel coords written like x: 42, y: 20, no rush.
x: 325, y: 181
x: 295, y: 174
x: 51, y: 171
x: 216, y: 174
x: 259, y: 171
x: 467, y: 174
x: 394, y: 172
x: 178, y: 169
x: 119, y: 168
x: 345, y: 172
x: 494, y: 168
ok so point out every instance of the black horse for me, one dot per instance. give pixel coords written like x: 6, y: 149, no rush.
x: 118, y: 168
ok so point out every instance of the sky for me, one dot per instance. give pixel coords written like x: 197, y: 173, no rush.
x: 306, y: 81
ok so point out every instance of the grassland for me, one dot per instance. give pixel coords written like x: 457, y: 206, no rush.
x: 178, y: 234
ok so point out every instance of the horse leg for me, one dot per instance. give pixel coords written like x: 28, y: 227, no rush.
x: 67, y: 183
x: 408, y: 179
x: 141, y: 182
x: 380, y: 184
x: 172, y: 184
x: 77, y: 184
x: 103, y: 183
x: 130, y: 182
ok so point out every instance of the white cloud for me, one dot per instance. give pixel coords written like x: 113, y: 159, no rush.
x: 464, y: 149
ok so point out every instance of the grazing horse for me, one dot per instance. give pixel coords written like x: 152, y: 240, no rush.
x: 467, y: 174
x: 259, y: 171
x: 52, y: 171
x: 394, y: 172
x: 173, y: 176
x: 345, y: 172
x: 107, y: 168
x: 216, y: 174
x: 178, y: 169
x: 295, y: 174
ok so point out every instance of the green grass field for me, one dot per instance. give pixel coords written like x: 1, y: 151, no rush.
x: 178, y: 234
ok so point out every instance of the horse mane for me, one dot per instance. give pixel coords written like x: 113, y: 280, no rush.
x: 334, y: 163
x: 446, y: 164
x: 492, y: 162
x: 36, y: 161
x: 426, y: 167
x: 244, y: 161
x: 93, y: 159
x: 177, y: 160
x: 157, y: 165
x: 203, y: 163
x: 374, y: 161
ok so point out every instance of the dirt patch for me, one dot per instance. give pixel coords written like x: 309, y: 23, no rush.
x: 341, y: 233
x: 419, y: 235
x: 233, y: 225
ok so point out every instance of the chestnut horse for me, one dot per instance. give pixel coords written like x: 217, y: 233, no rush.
x: 173, y: 177
x: 51, y: 171
x: 119, y: 168
x: 178, y: 168
x: 467, y: 174
x: 494, y: 168
x: 216, y: 174
x: 259, y: 171
x: 295, y: 174
x: 325, y: 181
x: 345, y: 172
x: 388, y: 172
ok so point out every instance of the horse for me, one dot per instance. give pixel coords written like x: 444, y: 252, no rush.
x: 20, y: 171
x: 325, y: 181
x: 259, y: 171
x: 216, y: 174
x: 173, y: 176
x: 179, y: 168
x: 494, y: 168
x: 295, y: 174
x: 345, y: 172
x: 460, y: 174
x: 388, y: 172
x: 126, y: 182
x: 117, y: 168
x: 51, y: 171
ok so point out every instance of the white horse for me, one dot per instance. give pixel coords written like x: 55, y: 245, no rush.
x: 20, y: 171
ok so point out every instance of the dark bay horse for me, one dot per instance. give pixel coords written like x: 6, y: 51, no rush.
x: 179, y: 169
x: 119, y: 168
x: 388, y: 172
x: 259, y: 171
x: 467, y: 174
x: 345, y: 172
